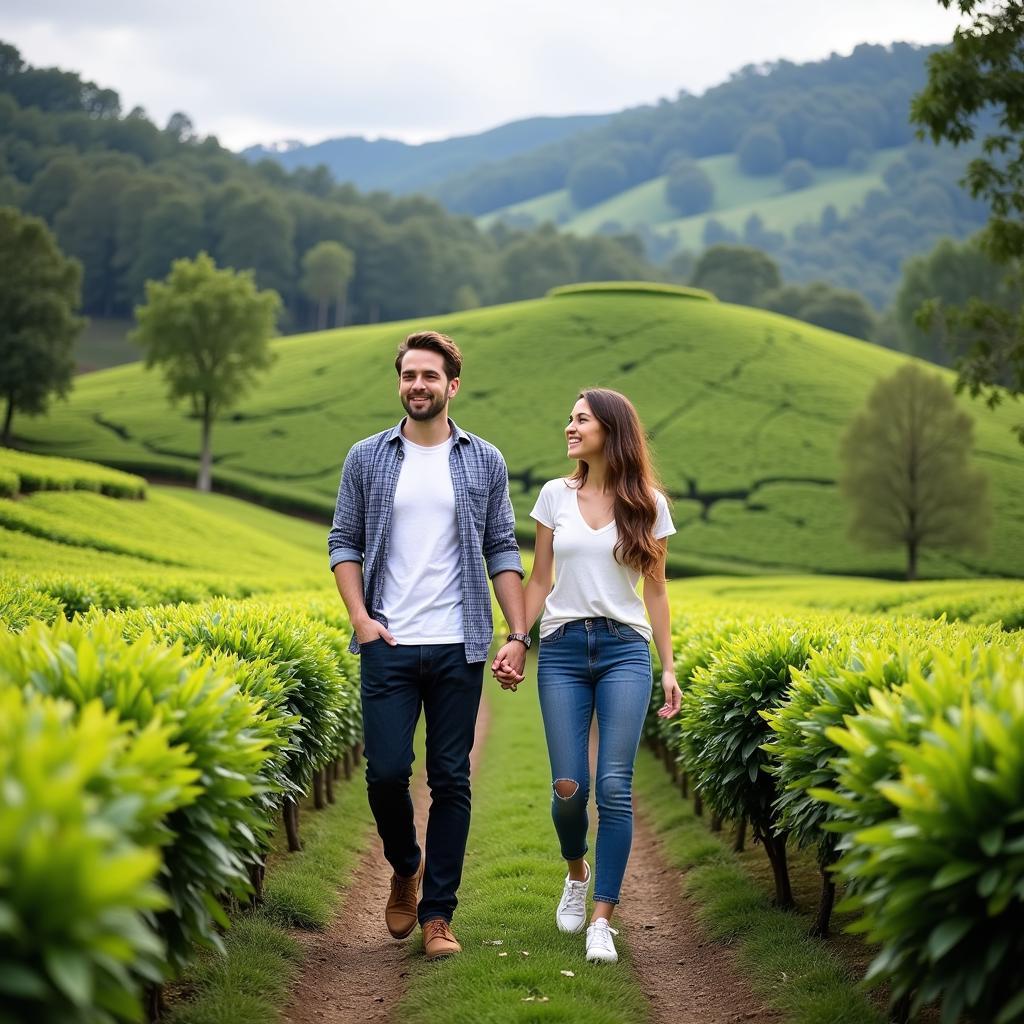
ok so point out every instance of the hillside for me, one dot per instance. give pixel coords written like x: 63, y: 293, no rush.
x: 400, y: 167
x: 737, y: 196
x: 96, y: 537
x: 744, y: 408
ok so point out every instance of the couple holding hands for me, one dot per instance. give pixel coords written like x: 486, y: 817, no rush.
x: 423, y: 518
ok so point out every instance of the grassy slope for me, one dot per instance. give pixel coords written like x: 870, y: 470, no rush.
x: 171, y: 530
x: 745, y: 409
x: 737, y: 196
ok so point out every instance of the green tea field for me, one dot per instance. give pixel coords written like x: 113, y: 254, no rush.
x: 744, y: 408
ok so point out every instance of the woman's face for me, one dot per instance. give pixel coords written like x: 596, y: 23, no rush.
x: 584, y: 433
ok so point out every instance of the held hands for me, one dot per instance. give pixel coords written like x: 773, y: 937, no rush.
x: 673, y: 695
x: 508, y: 665
x: 369, y: 629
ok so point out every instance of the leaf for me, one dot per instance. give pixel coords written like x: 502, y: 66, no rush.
x: 70, y: 973
x: 955, y: 871
x: 946, y: 935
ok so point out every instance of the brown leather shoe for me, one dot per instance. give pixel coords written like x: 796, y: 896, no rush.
x: 438, y: 940
x: 400, y: 913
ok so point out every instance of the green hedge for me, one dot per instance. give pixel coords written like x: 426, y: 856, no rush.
x: 678, y: 291
x: 49, y: 473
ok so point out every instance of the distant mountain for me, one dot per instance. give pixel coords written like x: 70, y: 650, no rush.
x: 399, y: 167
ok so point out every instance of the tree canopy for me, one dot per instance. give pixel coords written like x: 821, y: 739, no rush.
x: 39, y: 292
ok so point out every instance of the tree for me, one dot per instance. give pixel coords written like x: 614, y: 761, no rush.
x: 797, y: 174
x: 688, y: 188
x: 594, y: 179
x: 736, y: 273
x: 760, y: 151
x: 980, y: 73
x: 822, y: 304
x: 39, y: 291
x: 209, y: 331
x: 906, y: 472
x: 327, y: 269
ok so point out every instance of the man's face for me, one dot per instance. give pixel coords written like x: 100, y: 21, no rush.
x: 422, y: 385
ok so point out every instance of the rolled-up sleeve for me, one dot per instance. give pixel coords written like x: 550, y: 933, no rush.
x: 501, y: 550
x: 346, y: 541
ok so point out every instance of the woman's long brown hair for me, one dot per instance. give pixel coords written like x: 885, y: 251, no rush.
x: 630, y: 475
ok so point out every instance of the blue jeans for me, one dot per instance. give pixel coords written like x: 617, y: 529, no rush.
x: 588, y: 665
x: 395, y: 683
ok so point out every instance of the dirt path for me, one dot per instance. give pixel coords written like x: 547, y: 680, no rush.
x: 354, y: 970
x: 688, y: 978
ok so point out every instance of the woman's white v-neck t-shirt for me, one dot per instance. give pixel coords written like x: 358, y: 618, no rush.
x: 589, y: 582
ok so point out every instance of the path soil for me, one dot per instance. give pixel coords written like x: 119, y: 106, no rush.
x: 688, y: 978
x: 354, y: 971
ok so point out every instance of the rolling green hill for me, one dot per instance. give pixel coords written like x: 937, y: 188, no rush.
x: 737, y: 196
x: 744, y: 408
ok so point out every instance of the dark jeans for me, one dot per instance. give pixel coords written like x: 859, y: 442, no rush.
x: 395, y: 682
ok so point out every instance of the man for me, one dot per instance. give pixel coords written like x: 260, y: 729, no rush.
x: 421, y: 509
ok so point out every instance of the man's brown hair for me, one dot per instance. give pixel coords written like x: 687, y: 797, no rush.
x: 433, y: 341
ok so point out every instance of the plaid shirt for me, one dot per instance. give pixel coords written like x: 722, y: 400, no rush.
x: 483, y: 511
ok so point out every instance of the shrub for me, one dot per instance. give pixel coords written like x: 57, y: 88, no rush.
x: 724, y: 729
x: 936, y: 848
x: 82, y: 812
x: 20, y: 603
x: 226, y: 733
x: 797, y: 174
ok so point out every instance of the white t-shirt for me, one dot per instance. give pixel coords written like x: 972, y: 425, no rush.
x: 589, y: 582
x: 423, y: 575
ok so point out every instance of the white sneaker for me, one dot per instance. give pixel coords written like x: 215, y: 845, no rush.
x: 600, y: 948
x: 571, y: 914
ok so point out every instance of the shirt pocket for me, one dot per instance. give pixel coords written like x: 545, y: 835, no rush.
x: 479, y: 497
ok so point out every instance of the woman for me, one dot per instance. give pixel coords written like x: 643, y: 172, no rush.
x: 598, y: 533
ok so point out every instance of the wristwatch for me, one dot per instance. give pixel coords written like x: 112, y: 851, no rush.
x: 524, y: 638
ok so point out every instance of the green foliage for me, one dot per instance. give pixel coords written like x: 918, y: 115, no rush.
x: 20, y: 603
x: 761, y: 150
x: 39, y: 291
x: 736, y: 273
x: 327, y: 270
x: 595, y: 179
x: 688, y: 188
x: 82, y: 811
x: 228, y: 736
x: 823, y: 305
x: 721, y: 721
x: 930, y: 790
x: 979, y: 74
x: 906, y: 473
x: 208, y: 331
x: 48, y: 473
x: 797, y: 174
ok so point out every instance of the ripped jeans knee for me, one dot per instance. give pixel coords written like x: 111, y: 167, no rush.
x: 569, y: 814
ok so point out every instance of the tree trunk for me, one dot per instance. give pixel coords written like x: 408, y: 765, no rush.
x: 775, y: 848
x: 716, y: 823
x: 321, y: 313
x: 911, y: 560
x: 329, y: 783
x: 740, y: 842
x: 820, y: 929
x: 206, y: 453
x: 347, y: 761
x: 154, y: 999
x: 340, y: 311
x: 698, y: 802
x: 8, y: 418
x: 318, y: 789
x: 290, y: 812
x: 256, y: 875
x: 684, y: 785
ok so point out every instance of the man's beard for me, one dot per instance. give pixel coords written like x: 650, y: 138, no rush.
x: 435, y: 408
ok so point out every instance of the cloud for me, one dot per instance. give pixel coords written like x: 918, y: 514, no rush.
x: 311, y: 69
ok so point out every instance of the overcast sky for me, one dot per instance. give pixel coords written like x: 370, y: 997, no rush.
x: 262, y: 71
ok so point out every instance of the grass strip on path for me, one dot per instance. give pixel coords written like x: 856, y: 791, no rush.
x: 252, y: 982
x: 511, y: 884
x: 795, y: 974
